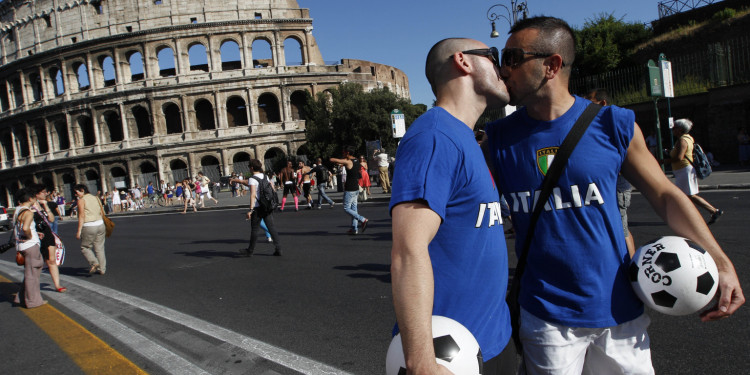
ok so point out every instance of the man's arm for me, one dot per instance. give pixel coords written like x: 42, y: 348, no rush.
x: 675, y: 208
x: 345, y: 162
x: 414, y: 226
x: 253, y: 188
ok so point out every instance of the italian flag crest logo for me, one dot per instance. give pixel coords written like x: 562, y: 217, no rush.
x: 544, y: 158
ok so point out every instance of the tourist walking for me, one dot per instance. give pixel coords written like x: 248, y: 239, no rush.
x: 91, y: 230
x: 27, y: 243
x: 351, y: 188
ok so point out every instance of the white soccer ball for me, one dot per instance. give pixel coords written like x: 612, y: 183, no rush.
x: 455, y: 348
x: 674, y: 276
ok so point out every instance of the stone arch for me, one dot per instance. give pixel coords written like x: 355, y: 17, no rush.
x: 86, y: 129
x: 7, y: 143
x: 40, y: 130
x: 197, y: 57
x: 113, y: 127
x: 119, y: 178
x: 107, y: 64
x: 37, y: 93
x: 22, y: 140
x: 4, y: 101
x: 48, y: 182
x: 82, y: 75
x: 241, y: 163
x: 236, y: 111
x: 297, y: 102
x: 204, y: 115
x: 179, y: 170
x: 63, y: 138
x: 262, y: 54
x: 148, y: 173
x: 293, y: 52
x: 91, y: 180
x: 173, y: 118
x: 17, y: 90
x: 274, y: 159
x: 142, y: 121
x: 231, y: 58
x: 56, y: 77
x: 268, y: 108
x: 135, y: 62
x: 211, y: 167
x: 68, y: 181
x: 166, y: 61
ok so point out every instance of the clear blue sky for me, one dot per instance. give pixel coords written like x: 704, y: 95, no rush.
x: 400, y: 33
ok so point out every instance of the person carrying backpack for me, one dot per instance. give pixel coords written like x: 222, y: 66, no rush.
x: 685, y: 177
x: 262, y: 205
x: 322, y: 175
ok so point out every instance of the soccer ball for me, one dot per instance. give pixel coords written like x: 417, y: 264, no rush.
x: 455, y: 348
x: 674, y: 275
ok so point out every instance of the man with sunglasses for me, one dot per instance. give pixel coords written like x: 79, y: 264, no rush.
x: 449, y: 256
x: 578, y: 310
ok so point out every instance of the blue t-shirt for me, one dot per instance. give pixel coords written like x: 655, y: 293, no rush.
x: 150, y: 189
x: 439, y: 162
x: 576, y: 273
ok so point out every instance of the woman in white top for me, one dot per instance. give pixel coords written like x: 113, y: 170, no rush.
x: 91, y: 229
x: 27, y: 243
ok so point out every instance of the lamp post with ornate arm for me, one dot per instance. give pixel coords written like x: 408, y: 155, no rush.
x: 511, y: 14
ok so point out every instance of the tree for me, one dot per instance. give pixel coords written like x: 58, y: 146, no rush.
x: 606, y: 43
x: 347, y: 115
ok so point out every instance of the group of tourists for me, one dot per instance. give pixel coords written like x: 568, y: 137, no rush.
x: 37, y: 243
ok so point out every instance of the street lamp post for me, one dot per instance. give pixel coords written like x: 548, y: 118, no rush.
x: 511, y: 14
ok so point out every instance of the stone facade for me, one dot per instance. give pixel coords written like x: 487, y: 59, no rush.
x: 114, y: 93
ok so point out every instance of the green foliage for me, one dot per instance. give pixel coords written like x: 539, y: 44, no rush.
x: 606, y: 43
x: 724, y: 14
x: 347, y: 115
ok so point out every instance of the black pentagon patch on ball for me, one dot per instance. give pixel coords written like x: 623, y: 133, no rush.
x: 663, y: 299
x: 401, y: 371
x: 705, y: 283
x: 695, y: 246
x: 633, y: 272
x: 446, y: 348
x: 667, y: 261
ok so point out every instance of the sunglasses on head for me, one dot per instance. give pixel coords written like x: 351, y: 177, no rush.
x: 512, y: 57
x: 491, y: 53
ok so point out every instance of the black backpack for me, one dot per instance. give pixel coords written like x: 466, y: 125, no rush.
x: 322, y: 173
x: 267, y: 198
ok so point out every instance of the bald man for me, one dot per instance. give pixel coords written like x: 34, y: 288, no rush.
x: 449, y: 256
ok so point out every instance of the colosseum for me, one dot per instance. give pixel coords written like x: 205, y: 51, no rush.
x: 116, y: 93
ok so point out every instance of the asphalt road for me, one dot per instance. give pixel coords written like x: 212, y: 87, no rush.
x: 327, y: 300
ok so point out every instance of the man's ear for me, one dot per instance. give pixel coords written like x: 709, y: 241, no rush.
x: 553, y: 64
x: 462, y: 63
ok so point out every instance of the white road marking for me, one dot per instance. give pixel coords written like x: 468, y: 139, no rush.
x: 151, y: 350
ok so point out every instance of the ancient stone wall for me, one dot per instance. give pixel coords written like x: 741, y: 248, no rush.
x: 115, y: 93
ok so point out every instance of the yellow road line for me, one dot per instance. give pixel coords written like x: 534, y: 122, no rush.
x: 89, y: 352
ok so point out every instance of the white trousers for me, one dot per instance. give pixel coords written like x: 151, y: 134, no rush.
x: 555, y: 349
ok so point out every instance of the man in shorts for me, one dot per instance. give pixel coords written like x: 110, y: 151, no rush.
x: 578, y: 310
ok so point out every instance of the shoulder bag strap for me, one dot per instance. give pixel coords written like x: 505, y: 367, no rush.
x: 554, y: 172
x: 550, y: 180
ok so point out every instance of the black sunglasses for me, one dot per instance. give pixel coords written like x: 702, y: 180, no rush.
x: 491, y: 53
x: 512, y: 57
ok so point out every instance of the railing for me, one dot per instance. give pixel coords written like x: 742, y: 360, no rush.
x: 719, y: 64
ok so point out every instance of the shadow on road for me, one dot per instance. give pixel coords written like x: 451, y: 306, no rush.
x: 380, y: 272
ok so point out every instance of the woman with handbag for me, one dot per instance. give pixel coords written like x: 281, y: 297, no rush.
x: 91, y: 229
x: 48, y: 246
x: 27, y: 244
